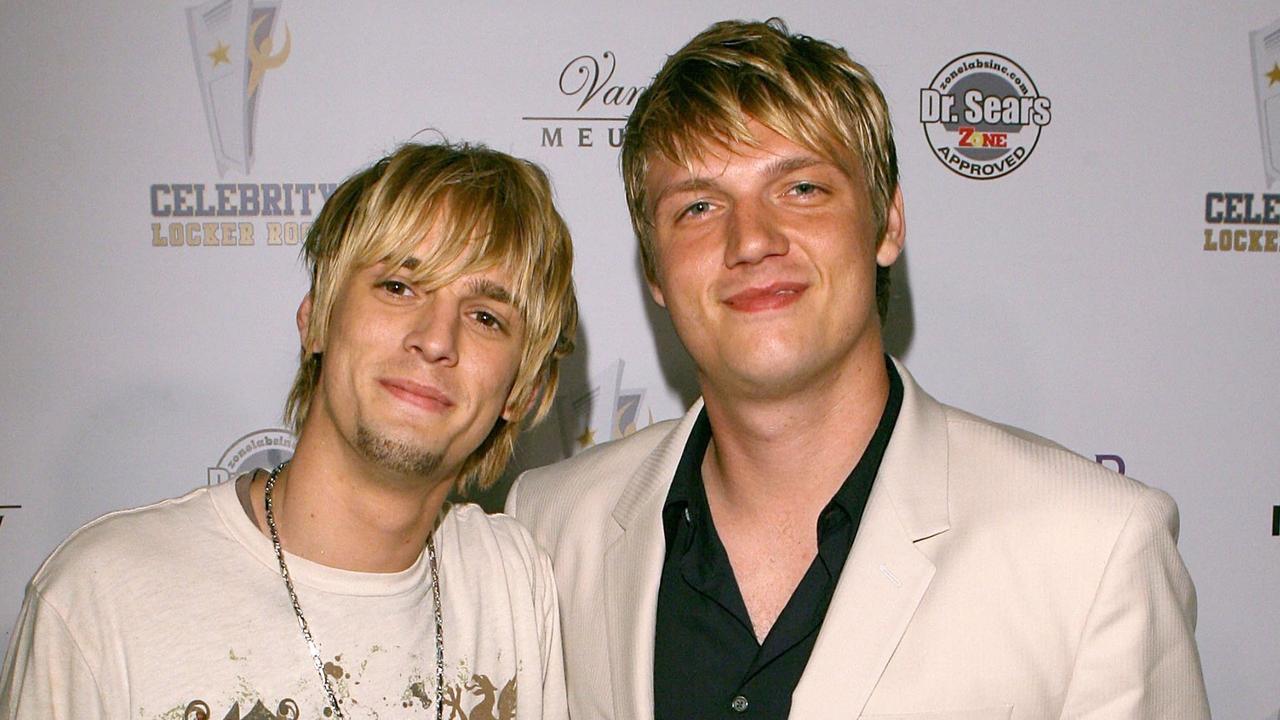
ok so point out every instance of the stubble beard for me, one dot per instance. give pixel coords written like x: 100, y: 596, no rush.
x: 396, y: 455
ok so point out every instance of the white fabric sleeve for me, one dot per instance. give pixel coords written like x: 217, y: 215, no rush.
x: 46, y: 675
x: 555, y: 701
x: 1138, y: 656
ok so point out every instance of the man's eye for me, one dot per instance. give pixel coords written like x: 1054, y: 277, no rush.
x: 701, y: 207
x: 397, y: 288
x: 488, y: 319
x: 804, y: 188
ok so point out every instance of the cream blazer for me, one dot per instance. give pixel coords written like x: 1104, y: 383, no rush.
x: 994, y: 576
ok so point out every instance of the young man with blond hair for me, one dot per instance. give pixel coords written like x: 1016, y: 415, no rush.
x: 341, y: 584
x: 818, y: 537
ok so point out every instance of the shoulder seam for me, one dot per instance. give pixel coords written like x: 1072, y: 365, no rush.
x: 106, y: 517
x: 75, y: 643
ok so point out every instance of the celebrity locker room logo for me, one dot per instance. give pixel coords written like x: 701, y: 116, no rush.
x: 982, y: 115
x: 1245, y: 221
x: 233, y: 47
x: 605, y: 409
x: 236, y: 46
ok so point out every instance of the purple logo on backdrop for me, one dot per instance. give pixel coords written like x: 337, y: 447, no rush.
x: 1249, y: 222
x: 259, y: 449
x: 982, y: 115
x: 1115, y: 462
x: 591, y: 105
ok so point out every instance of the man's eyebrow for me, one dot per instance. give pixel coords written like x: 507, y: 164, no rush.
x: 776, y: 168
x: 784, y: 165
x: 686, y: 185
x: 485, y: 287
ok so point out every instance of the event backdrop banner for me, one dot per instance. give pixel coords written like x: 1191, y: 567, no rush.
x: 1091, y: 194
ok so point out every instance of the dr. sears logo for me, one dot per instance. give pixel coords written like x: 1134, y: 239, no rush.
x: 265, y: 449
x: 982, y: 115
x: 233, y: 47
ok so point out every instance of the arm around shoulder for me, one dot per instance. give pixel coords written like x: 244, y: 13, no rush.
x: 1137, y: 656
x: 45, y: 673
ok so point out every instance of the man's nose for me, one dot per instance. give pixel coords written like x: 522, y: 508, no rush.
x: 434, y: 332
x: 754, y: 234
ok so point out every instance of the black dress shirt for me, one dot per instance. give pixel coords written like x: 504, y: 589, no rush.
x: 707, y: 661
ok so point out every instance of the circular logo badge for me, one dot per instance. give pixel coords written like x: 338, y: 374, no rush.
x: 259, y: 449
x: 982, y: 115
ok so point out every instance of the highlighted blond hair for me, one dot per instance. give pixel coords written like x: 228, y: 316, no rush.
x: 486, y: 210
x: 809, y: 91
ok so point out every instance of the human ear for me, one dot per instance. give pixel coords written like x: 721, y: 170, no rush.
x: 513, y: 411
x: 895, y: 232
x: 655, y: 292
x: 304, y: 321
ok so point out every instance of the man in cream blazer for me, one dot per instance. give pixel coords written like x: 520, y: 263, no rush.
x: 960, y: 569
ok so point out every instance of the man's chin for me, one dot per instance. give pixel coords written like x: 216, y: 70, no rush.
x: 774, y: 375
x: 397, y: 455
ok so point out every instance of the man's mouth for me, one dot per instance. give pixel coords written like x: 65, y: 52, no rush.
x: 767, y: 297
x: 426, y: 397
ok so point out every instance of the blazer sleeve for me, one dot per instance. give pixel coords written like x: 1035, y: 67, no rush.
x: 1137, y: 656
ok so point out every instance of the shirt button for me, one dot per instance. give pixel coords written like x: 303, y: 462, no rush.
x: 739, y: 704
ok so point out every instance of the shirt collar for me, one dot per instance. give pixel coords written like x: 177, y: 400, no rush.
x: 687, y: 482
x: 852, y: 495
x: 850, y: 498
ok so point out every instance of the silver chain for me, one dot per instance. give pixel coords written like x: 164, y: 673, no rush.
x: 302, y: 620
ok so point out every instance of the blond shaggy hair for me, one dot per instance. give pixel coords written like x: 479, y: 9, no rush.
x: 487, y: 210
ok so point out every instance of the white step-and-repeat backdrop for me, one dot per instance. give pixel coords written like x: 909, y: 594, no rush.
x: 1099, y: 263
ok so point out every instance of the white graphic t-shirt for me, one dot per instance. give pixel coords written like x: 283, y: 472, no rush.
x: 176, y: 611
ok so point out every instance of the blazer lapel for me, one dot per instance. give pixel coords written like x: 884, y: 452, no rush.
x: 633, y: 569
x: 885, y: 576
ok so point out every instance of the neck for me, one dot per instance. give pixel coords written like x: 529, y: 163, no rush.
x: 348, y: 514
x: 772, y: 456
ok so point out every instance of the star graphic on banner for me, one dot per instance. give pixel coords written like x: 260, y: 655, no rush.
x: 1274, y: 75
x: 587, y: 438
x: 219, y: 54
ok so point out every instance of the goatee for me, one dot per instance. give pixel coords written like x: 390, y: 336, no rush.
x: 395, y: 455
